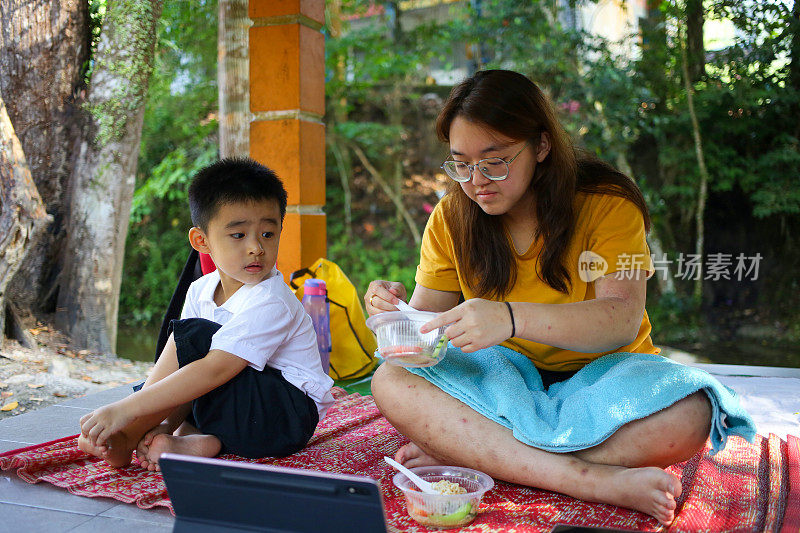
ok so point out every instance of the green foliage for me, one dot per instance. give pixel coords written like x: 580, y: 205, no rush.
x: 675, y: 319
x: 778, y: 193
x: 157, y: 246
x: 747, y: 109
x: 378, y: 258
x: 169, y: 180
x: 97, y: 11
x: 622, y: 106
x: 132, y: 21
x: 178, y: 138
x: 625, y: 107
x: 182, y: 100
x: 377, y: 140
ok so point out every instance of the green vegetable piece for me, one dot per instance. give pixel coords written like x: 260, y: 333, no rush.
x: 439, y: 345
x: 453, y: 518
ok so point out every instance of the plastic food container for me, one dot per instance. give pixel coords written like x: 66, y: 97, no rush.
x: 401, y: 343
x: 444, y: 510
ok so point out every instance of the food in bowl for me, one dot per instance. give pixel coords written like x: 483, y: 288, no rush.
x: 448, y: 487
x: 400, y: 341
x: 460, y: 517
x: 449, y: 509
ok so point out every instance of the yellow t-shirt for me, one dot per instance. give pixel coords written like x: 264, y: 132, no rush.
x: 607, y: 225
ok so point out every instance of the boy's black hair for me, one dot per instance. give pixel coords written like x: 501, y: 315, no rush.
x: 229, y: 181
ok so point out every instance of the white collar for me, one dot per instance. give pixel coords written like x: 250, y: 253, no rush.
x: 207, y: 293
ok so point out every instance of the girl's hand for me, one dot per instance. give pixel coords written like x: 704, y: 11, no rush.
x: 382, y: 296
x: 474, y: 324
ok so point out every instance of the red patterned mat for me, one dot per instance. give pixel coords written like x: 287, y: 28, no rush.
x: 746, y: 487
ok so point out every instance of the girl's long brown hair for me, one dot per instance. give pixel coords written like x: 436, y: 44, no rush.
x: 512, y: 105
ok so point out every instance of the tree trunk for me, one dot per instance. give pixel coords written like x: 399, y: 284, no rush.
x: 44, y: 47
x: 694, y: 40
x: 795, y: 46
x: 654, y: 61
x: 339, y: 114
x: 233, y: 79
x: 794, y: 52
x: 394, y: 107
x: 22, y: 214
x: 105, y: 175
x: 702, y: 187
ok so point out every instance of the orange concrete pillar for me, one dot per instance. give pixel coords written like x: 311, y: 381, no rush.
x: 287, y: 98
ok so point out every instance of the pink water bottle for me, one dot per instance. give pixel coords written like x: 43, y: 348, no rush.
x: 315, y: 302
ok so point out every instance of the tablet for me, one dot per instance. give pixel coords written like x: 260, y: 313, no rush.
x: 212, y: 495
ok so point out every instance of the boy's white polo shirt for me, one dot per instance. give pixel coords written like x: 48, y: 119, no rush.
x: 266, y: 325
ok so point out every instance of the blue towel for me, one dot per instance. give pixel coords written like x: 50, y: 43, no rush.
x: 583, y: 411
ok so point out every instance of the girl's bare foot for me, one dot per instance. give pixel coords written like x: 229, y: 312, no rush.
x: 198, y: 445
x: 411, y: 455
x: 650, y: 490
x: 117, y: 451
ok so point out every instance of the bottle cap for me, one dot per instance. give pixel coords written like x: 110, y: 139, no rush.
x: 314, y: 287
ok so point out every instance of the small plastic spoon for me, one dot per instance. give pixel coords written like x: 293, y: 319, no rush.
x: 404, y: 307
x: 423, y: 485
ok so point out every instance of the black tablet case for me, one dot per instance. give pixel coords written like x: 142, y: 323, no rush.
x: 212, y: 495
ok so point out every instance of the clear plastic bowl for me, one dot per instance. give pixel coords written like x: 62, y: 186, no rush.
x: 400, y: 342
x: 444, y: 510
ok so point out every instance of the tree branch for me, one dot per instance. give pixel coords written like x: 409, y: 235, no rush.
x: 701, y: 163
x: 396, y: 199
x: 343, y: 176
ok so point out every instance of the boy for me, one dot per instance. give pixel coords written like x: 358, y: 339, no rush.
x: 240, y: 372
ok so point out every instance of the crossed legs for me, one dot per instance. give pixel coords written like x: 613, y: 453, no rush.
x: 625, y: 470
x: 153, y: 434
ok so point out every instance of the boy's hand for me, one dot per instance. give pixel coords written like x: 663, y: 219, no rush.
x: 101, y: 423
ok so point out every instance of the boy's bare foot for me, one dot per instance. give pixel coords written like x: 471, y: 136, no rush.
x: 198, y: 445
x: 650, y: 490
x: 86, y: 446
x: 411, y: 455
x: 143, y: 447
x: 117, y: 451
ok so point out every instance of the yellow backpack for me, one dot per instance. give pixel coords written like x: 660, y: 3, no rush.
x: 352, y: 343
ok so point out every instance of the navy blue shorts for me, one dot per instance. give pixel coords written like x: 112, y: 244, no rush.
x: 255, y: 414
x: 549, y: 377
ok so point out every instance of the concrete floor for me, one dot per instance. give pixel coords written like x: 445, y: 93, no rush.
x: 43, y: 507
